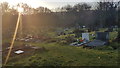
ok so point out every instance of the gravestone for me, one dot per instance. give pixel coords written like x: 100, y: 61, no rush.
x: 103, y: 36
x: 85, y: 37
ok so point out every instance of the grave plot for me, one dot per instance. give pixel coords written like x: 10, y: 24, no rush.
x: 102, y: 38
x: 83, y: 41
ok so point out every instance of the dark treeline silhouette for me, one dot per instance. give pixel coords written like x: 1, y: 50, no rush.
x: 105, y: 14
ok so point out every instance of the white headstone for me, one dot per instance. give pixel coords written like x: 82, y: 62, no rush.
x: 85, y: 36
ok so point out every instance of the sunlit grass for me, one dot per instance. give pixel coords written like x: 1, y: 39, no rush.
x: 69, y: 56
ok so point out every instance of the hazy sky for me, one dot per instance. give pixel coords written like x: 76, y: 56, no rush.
x: 48, y: 3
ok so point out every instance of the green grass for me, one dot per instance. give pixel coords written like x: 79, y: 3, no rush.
x: 113, y: 35
x: 64, y: 55
x: 102, y: 29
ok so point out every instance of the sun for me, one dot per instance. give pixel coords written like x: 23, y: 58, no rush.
x: 32, y: 3
x: 20, y: 10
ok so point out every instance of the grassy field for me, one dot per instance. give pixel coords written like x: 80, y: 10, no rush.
x: 56, y: 54
x: 64, y: 55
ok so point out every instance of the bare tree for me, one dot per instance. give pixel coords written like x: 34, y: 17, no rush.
x: 5, y: 6
x: 80, y: 7
x: 107, y: 12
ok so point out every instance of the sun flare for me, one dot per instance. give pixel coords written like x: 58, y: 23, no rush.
x: 32, y: 3
x: 20, y: 9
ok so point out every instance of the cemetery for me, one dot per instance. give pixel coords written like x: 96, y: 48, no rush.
x: 90, y: 40
x: 82, y: 34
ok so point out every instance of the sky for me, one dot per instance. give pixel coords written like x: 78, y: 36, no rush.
x: 51, y: 4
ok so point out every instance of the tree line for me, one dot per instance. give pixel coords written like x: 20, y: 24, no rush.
x: 104, y: 14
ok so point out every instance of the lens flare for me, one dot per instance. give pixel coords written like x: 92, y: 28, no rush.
x: 20, y: 10
x: 13, y: 40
